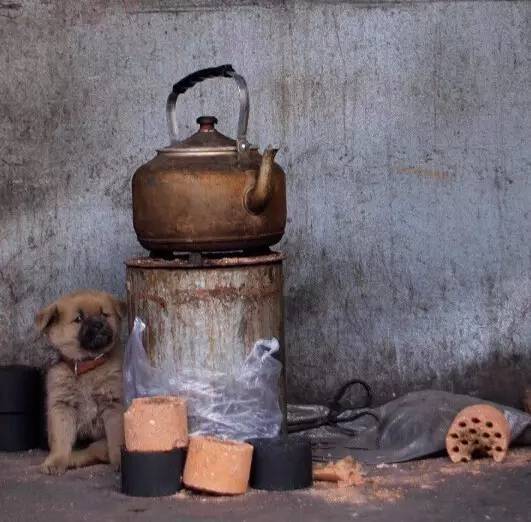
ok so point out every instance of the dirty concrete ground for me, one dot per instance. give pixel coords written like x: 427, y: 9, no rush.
x: 433, y: 489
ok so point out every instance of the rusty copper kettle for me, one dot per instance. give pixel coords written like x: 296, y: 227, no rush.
x: 209, y: 192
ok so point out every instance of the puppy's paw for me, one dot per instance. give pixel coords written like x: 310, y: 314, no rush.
x: 54, y: 465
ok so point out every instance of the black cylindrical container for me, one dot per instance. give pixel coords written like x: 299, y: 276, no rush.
x: 20, y: 408
x: 152, y: 474
x: 19, y: 431
x: 281, y: 463
x: 20, y: 389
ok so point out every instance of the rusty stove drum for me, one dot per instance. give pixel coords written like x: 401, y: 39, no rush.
x: 207, y: 312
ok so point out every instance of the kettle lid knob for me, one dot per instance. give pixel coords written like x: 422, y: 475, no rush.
x: 206, y: 123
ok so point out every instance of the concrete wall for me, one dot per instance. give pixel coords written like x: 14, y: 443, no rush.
x: 405, y: 129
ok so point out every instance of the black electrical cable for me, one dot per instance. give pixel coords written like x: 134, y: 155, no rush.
x: 334, y: 418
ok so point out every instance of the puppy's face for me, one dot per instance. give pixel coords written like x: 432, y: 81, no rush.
x: 83, y: 324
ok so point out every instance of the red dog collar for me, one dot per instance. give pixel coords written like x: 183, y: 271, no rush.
x: 84, y: 366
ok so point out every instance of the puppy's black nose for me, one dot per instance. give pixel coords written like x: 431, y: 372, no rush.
x: 97, y: 324
x: 95, y: 334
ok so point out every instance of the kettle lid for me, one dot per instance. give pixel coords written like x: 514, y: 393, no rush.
x: 206, y: 141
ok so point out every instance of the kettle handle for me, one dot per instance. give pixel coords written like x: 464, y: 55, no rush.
x: 223, y: 71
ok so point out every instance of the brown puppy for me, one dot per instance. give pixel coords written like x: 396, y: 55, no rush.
x: 85, y: 388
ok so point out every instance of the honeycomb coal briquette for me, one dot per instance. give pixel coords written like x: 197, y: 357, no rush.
x: 156, y: 424
x: 478, y: 431
x: 216, y: 466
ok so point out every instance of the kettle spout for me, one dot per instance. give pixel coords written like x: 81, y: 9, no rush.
x: 258, y: 196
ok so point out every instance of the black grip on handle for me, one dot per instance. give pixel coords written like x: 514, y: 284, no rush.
x: 212, y: 72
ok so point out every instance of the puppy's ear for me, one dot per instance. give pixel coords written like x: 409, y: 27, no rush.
x: 120, y: 307
x: 45, y: 318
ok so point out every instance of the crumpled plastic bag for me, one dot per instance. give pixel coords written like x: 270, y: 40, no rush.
x: 238, y: 406
x: 410, y: 427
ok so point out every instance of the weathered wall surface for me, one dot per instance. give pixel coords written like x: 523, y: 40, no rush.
x: 406, y: 138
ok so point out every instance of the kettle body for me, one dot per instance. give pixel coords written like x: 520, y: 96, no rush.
x: 209, y: 193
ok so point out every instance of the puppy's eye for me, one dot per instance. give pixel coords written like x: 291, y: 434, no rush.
x: 105, y: 314
x: 78, y: 319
